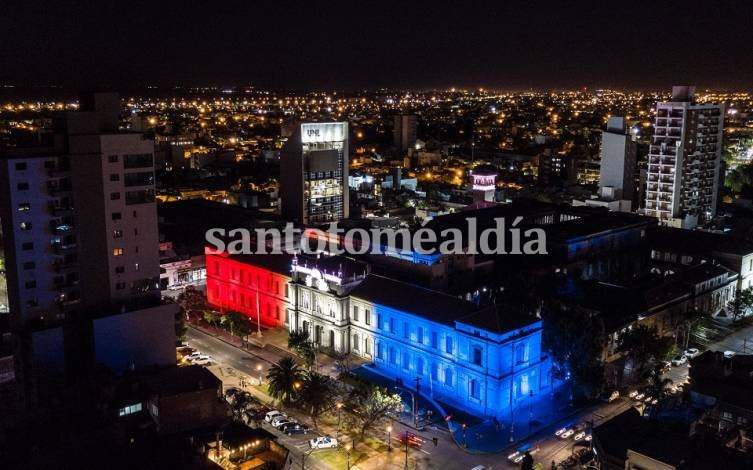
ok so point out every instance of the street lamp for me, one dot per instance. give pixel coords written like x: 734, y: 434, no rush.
x: 347, y: 452
x: 389, y: 438
x: 339, y: 407
x: 259, y: 369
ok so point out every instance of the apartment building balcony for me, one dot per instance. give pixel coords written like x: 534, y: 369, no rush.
x: 64, y: 248
x: 59, y: 209
x: 64, y: 285
x: 55, y: 187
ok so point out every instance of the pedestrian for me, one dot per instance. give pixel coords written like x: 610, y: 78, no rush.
x: 554, y: 465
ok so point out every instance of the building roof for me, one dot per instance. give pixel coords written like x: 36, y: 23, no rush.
x: 179, y: 380
x: 696, y: 242
x: 500, y: 318
x: 413, y: 299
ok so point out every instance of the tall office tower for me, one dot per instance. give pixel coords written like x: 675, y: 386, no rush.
x: 314, y: 174
x: 684, y: 161
x: 618, y: 164
x: 79, y: 224
x: 404, y: 131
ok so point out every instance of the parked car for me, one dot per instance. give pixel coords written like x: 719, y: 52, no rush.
x: 323, y: 442
x: 295, y: 428
x: 690, y: 353
x: 271, y: 414
x: 679, y: 360
x: 580, y: 435
x: 279, y: 423
x: 276, y: 420
x: 610, y: 397
x: 559, y: 431
x: 567, y: 434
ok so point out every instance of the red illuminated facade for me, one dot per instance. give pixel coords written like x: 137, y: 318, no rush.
x: 251, y: 284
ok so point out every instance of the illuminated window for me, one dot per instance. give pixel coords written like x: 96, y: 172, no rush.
x: 117, y: 234
x: 23, y: 207
x: 117, y: 252
x: 25, y: 225
x: 129, y: 410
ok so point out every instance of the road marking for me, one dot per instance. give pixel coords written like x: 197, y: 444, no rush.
x: 425, y: 452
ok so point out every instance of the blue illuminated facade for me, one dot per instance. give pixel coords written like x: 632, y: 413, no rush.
x: 485, y: 362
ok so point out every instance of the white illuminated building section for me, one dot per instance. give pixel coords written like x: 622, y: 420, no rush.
x: 484, y: 185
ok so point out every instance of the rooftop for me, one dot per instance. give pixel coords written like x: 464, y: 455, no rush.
x: 179, y: 380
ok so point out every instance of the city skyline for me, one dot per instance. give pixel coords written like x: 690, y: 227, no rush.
x: 418, y: 46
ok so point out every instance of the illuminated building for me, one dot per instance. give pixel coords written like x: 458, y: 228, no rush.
x: 257, y: 286
x: 484, y: 185
x: 684, y: 161
x: 79, y: 226
x: 314, y: 174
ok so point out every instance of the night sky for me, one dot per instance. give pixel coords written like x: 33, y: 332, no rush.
x: 370, y: 44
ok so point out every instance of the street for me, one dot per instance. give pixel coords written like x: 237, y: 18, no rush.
x: 447, y: 455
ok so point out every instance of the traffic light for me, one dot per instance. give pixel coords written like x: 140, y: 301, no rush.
x: 435, y: 440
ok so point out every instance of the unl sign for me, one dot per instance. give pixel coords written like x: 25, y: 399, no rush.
x: 324, y: 132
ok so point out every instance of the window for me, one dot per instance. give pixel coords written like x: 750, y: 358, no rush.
x: 420, y: 335
x: 23, y: 186
x: 134, y: 214
x: 31, y: 284
x: 120, y: 285
x: 117, y: 234
x: 119, y: 269
x: 117, y: 216
x: 367, y: 316
x: 355, y: 313
x: 20, y: 166
x: 114, y: 177
x: 142, y: 178
x: 448, y: 344
x: 380, y: 325
x: 114, y: 196
x: 24, y: 207
x: 367, y: 345
x: 355, y: 342
x: 474, y: 389
x: 419, y: 365
x: 434, y: 340
x: 287, y: 290
x: 27, y: 246
x: 29, y: 265
x: 476, y: 355
x: 406, y: 360
x: 392, y: 326
x: 434, y: 372
x: 112, y: 159
x: 142, y: 160
x: 129, y: 410
x: 25, y: 225
x: 448, y: 377
x: 380, y: 351
x: 117, y: 251
x: 406, y: 330
x: 521, y: 353
x: 393, y: 356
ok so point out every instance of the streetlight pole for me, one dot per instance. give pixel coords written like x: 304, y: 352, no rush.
x: 339, y: 407
x: 347, y: 452
x: 389, y: 438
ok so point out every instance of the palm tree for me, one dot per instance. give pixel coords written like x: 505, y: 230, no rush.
x: 283, y: 378
x: 316, y: 394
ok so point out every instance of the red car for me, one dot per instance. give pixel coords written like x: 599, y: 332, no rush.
x: 411, y: 439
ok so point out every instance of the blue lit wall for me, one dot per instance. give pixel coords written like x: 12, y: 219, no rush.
x: 479, y: 371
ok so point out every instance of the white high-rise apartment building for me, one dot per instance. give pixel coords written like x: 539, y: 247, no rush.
x: 684, y: 161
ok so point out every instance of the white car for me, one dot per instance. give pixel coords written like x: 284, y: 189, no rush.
x: 559, y: 431
x: 580, y: 436
x: 202, y: 360
x: 588, y: 438
x: 639, y: 397
x: 679, y: 360
x: 692, y: 352
x: 513, y: 456
x: 323, y: 442
x: 193, y: 355
x: 633, y: 393
x: 272, y: 414
x: 567, y: 434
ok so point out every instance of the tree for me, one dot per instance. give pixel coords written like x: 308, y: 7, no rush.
x: 300, y: 342
x: 283, y: 377
x: 370, y: 405
x: 235, y: 323
x: 742, y: 303
x: 316, y: 395
x: 342, y: 362
x: 642, y: 343
x: 657, y: 383
x: 180, y: 326
x: 210, y: 317
x: 575, y: 339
